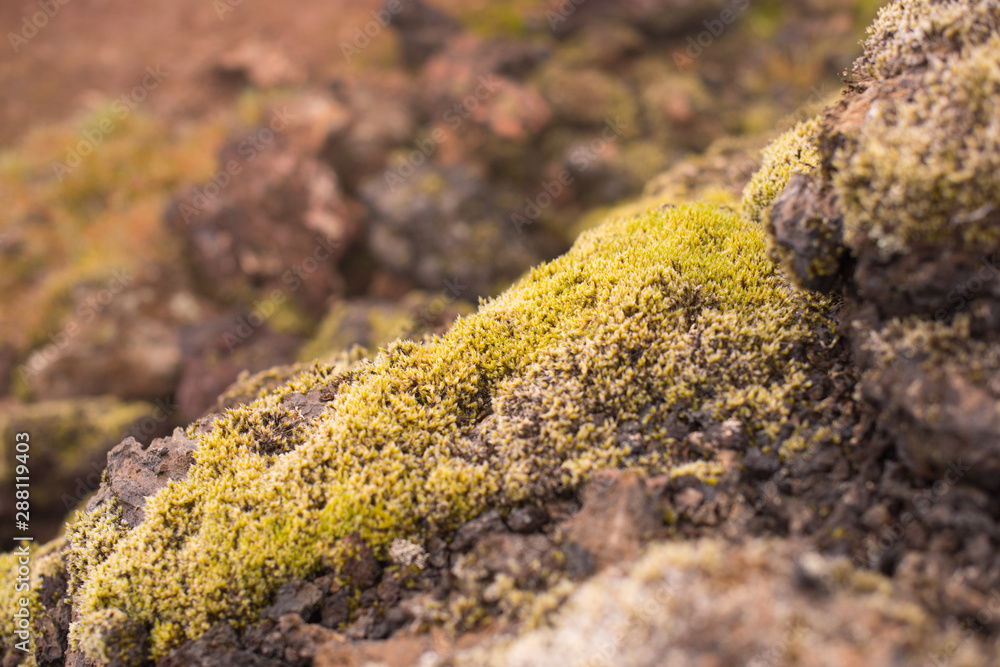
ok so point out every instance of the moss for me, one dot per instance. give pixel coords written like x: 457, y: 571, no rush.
x: 940, y: 348
x: 924, y: 166
x: 17, y: 583
x: 912, y: 34
x: 794, y: 152
x: 673, y: 319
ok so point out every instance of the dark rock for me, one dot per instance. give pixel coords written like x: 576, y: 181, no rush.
x: 424, y: 30
x: 218, y: 349
x: 219, y: 647
x: 441, y: 229
x: 472, y: 532
x: 295, y: 597
x: 360, y: 569
x: 276, y: 230
x: 527, y: 519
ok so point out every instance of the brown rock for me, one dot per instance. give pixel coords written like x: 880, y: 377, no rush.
x: 617, y: 517
x: 136, y: 471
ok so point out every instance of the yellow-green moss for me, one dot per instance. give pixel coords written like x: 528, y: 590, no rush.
x: 673, y: 317
x: 794, y: 152
x: 924, y: 167
x: 43, y: 561
x: 941, y: 348
x: 912, y: 33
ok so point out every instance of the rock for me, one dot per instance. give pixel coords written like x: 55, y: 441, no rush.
x: 122, y: 341
x: 261, y: 64
x: 297, y: 597
x: 68, y: 442
x: 441, y: 229
x: 526, y: 519
x: 381, y: 118
x: 617, y: 517
x: 218, y: 647
x: 217, y: 349
x: 136, y: 471
x: 424, y: 31
x: 704, y: 602
x: 657, y: 17
x: 274, y: 230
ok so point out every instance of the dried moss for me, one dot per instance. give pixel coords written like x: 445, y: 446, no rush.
x: 673, y: 319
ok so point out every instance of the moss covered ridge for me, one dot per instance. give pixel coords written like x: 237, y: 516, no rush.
x: 665, y: 323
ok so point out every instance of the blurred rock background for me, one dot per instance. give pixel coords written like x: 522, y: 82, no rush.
x: 202, y: 189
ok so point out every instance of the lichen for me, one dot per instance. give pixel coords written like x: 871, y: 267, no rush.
x: 794, y: 152
x: 673, y: 319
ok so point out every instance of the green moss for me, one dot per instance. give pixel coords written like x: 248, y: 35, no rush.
x: 924, y: 167
x: 670, y: 318
x: 914, y: 33
x: 17, y: 583
x: 794, y: 152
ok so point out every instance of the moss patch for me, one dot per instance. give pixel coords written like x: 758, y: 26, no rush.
x: 924, y: 167
x: 794, y: 152
x: 672, y: 320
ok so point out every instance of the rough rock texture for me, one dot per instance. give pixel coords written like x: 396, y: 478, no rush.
x: 273, y: 221
x: 438, y: 226
x: 136, y: 472
x: 711, y: 603
x: 661, y: 381
x: 898, y: 217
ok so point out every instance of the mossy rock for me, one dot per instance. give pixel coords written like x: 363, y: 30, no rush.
x: 665, y: 322
x: 69, y: 440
